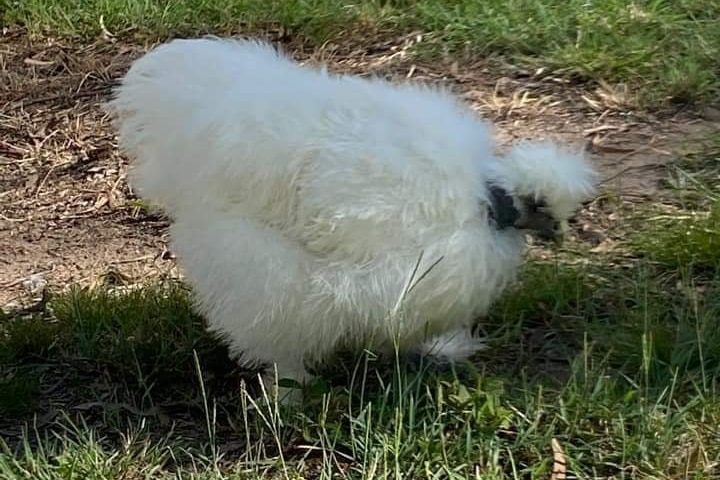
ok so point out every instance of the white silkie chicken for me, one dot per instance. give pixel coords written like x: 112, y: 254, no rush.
x: 302, y: 202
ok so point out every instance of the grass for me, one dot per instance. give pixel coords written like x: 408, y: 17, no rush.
x: 632, y: 392
x: 666, y: 51
x: 688, y: 232
x: 616, y: 357
x: 618, y: 362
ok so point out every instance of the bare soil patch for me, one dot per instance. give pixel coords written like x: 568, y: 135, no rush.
x: 67, y: 215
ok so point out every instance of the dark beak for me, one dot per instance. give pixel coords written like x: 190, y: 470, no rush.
x: 542, y: 226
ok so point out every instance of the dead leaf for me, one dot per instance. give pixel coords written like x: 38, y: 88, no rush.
x: 602, y: 128
x: 710, y: 113
x: 38, y: 63
x: 603, y: 247
x: 597, y: 146
x: 559, y: 470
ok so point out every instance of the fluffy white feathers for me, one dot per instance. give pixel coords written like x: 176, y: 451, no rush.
x: 301, y: 201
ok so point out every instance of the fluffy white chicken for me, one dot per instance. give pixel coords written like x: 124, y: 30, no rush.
x: 302, y: 202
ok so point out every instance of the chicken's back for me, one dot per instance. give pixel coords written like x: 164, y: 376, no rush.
x: 339, y: 163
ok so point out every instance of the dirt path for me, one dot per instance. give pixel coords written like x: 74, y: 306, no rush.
x: 67, y: 215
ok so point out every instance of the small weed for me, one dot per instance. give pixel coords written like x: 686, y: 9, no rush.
x: 687, y: 234
x: 682, y: 238
x: 18, y: 389
x: 544, y: 289
x: 23, y: 339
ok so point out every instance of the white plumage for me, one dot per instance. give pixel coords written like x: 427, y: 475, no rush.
x: 301, y: 201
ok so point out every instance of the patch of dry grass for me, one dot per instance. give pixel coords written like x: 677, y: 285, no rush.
x: 652, y: 51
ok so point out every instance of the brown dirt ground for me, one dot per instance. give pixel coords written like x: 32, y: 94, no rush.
x: 67, y: 216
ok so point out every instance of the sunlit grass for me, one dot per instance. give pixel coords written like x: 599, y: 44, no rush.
x: 664, y: 50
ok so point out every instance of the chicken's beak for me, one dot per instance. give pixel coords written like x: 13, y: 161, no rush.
x: 554, y: 235
x: 543, y: 227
